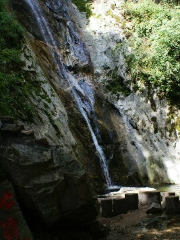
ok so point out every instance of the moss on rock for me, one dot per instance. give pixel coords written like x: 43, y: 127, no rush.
x: 116, y: 84
x: 14, y: 87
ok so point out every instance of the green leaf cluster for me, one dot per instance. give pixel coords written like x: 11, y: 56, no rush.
x: 155, y: 42
x: 84, y: 6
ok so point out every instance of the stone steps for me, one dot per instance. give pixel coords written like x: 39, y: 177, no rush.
x: 154, y: 201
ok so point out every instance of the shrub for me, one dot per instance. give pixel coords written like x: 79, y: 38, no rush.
x: 155, y: 60
x: 84, y: 6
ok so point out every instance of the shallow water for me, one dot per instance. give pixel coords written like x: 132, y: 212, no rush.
x: 168, y: 188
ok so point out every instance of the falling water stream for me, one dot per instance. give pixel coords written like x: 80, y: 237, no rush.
x: 82, y: 93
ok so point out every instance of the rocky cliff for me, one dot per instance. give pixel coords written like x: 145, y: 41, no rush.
x: 145, y: 124
x: 52, y: 161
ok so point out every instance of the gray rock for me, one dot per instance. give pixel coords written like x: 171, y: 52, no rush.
x: 27, y: 132
x: 133, y: 124
x: 154, y: 208
x: 50, y: 180
x: 9, y: 127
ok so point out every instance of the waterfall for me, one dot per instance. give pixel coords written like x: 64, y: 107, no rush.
x: 82, y: 93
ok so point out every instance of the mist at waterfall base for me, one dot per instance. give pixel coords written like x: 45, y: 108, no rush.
x: 81, y: 91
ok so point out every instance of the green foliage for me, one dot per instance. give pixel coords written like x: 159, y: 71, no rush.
x: 177, y: 124
x: 14, y: 89
x: 10, y: 30
x: 84, y: 6
x: 155, y: 61
x: 3, y: 4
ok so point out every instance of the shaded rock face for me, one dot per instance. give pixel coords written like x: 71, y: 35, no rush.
x: 13, y: 225
x: 47, y: 179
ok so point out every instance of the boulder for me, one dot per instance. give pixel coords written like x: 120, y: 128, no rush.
x: 154, y: 208
x: 146, y: 198
x: 49, y: 181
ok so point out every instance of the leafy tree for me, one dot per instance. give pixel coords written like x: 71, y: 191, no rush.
x: 155, y: 43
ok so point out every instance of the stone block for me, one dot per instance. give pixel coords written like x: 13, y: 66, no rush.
x: 163, y: 196
x: 132, y: 201
x: 172, y: 204
x: 106, y: 207
x: 119, y: 206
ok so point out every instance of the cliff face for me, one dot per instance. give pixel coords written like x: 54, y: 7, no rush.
x: 145, y: 125
x: 42, y: 158
x: 53, y: 161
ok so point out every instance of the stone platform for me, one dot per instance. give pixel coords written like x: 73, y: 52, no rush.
x: 128, y: 199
